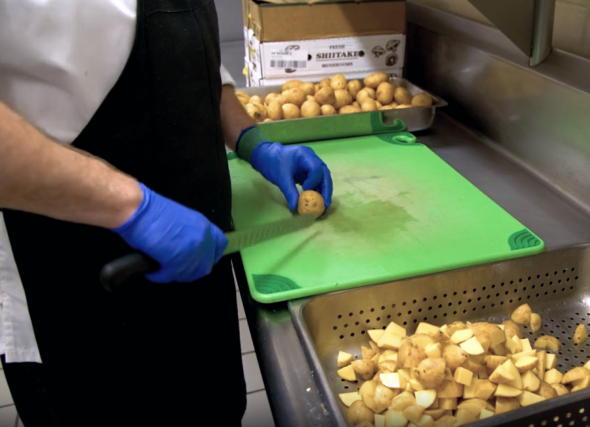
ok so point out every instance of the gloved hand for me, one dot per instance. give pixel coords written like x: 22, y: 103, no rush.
x: 286, y: 166
x: 185, y: 243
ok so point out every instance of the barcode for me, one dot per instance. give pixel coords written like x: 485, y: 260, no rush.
x: 288, y: 64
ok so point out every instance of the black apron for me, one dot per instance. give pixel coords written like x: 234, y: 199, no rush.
x: 150, y: 354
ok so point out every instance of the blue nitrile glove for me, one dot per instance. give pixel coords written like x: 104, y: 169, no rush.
x: 185, y: 243
x: 286, y: 166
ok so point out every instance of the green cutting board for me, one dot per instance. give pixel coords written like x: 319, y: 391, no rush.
x: 398, y: 211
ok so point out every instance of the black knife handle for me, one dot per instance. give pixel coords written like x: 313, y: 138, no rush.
x: 116, y: 272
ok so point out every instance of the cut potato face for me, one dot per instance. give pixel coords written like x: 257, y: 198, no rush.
x: 344, y: 358
x: 580, y: 334
x: 349, y: 398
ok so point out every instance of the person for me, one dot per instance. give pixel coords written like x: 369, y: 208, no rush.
x: 113, y: 120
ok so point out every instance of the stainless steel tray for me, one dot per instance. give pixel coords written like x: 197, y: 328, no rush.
x: 356, y: 124
x: 555, y: 283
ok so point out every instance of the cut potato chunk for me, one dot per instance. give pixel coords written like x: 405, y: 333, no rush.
x: 347, y: 373
x: 463, y: 376
x: 501, y: 375
x: 547, y: 342
x: 546, y: 390
x: 472, y: 346
x: 522, y: 315
x: 553, y: 376
x: 473, y: 405
x: 435, y: 413
x: 511, y: 368
x: 364, y: 367
x: 464, y: 417
x: 461, y: 335
x: 344, y: 358
x: 425, y: 421
x: 526, y: 344
x: 551, y: 361
x: 507, y: 391
x: 427, y: 328
x: 447, y: 403
x: 506, y: 404
x: 379, y: 420
x: 511, y: 346
x: 382, y: 398
x: 580, y: 334
x: 359, y: 412
x: 530, y: 381
x: 367, y: 353
x: 446, y: 421
x: 493, y: 362
x: 394, y: 418
x: 497, y: 337
x: 394, y: 328
x: 433, y: 350
x: 536, y: 322
x: 526, y: 363
x: 575, y: 374
x: 449, y: 389
x: 390, y: 341
x: 560, y: 389
x: 425, y: 398
x: 530, y: 353
x: 484, y: 389
x: 413, y: 413
x: 469, y: 390
x: 580, y: 384
x: 393, y: 380
x: 484, y: 414
x: 527, y: 398
x: 375, y: 334
x: 349, y: 398
x: 541, y: 355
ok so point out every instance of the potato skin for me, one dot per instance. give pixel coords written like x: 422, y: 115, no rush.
x: 325, y: 96
x: 310, y: 109
x: 325, y: 82
x: 369, y: 104
x: 312, y: 203
x: 270, y: 98
x: 291, y: 84
x: 365, y: 93
x: 256, y: 111
x: 402, y: 96
x: 348, y: 109
x: 275, y: 111
x: 375, y: 79
x: 353, y: 87
x: 328, y: 110
x: 358, y: 412
x: 422, y: 100
x: 430, y: 372
x: 291, y: 111
x: 308, y: 88
x: 342, y: 98
x: 295, y: 96
x: 338, y: 82
x: 385, y: 93
x: 256, y: 100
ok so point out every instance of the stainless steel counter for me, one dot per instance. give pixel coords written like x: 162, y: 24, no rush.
x: 293, y: 394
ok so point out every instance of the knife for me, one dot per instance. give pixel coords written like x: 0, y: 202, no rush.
x: 116, y: 272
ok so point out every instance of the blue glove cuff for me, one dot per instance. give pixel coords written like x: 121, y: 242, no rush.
x: 147, y: 195
x: 248, y: 140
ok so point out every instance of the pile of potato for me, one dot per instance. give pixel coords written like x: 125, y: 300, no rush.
x: 455, y: 374
x: 331, y: 96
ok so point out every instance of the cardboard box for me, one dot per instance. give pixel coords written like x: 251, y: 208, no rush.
x: 296, y: 59
x: 274, y: 20
x: 255, y: 79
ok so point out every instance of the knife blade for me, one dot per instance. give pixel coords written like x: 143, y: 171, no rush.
x: 118, y: 271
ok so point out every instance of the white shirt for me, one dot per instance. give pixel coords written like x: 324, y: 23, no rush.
x: 58, y: 61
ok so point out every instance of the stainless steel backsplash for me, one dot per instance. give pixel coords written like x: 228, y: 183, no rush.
x: 539, y: 116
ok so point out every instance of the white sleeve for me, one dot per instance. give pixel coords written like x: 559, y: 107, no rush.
x: 226, y: 78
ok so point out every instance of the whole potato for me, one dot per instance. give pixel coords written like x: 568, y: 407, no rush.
x: 385, y: 93
x: 402, y: 96
x: 353, y: 87
x: 317, y: 87
x: 356, y: 104
x: 270, y: 97
x: 369, y: 104
x: 291, y: 111
x: 326, y: 96
x: 394, y: 104
x: 256, y: 100
x: 327, y: 110
x: 364, y: 94
x: 310, y: 109
x: 422, y: 100
x: 378, y: 104
x: 275, y: 111
x: 348, y: 109
x: 387, y: 107
x: 267, y: 120
x: 291, y: 84
x: 256, y: 111
x: 242, y: 97
x: 375, y: 79
x: 342, y: 98
x: 399, y: 107
x: 338, y: 82
x: 325, y: 82
x: 295, y: 96
x: 308, y: 88
x: 240, y: 93
x: 310, y: 98
x: 312, y: 203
